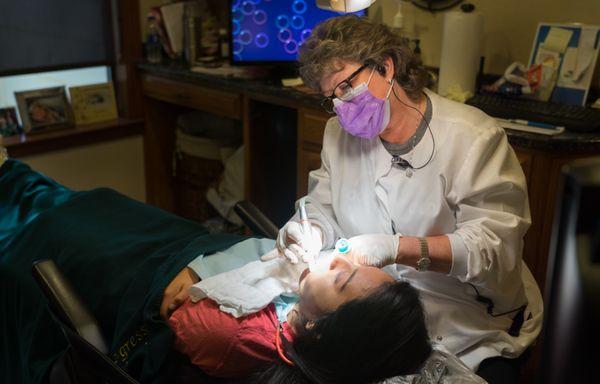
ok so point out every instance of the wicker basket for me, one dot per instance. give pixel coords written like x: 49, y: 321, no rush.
x: 203, y: 142
x: 192, y: 178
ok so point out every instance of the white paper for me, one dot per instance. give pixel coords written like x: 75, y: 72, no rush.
x: 578, y: 64
x: 293, y: 82
x: 567, y: 68
x: 224, y: 70
x: 586, y: 53
x: 558, y: 39
x: 173, y: 20
x: 527, y: 128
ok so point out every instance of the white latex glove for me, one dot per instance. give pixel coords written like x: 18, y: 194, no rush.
x: 293, y: 244
x: 376, y: 250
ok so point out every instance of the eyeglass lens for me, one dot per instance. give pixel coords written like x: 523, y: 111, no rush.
x: 340, y: 91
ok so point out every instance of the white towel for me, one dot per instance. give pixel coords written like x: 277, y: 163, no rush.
x: 249, y: 289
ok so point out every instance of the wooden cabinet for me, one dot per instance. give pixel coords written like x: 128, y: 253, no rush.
x: 311, y: 125
x: 164, y: 100
x: 306, y: 163
x: 543, y: 182
x: 227, y: 104
x: 525, y: 159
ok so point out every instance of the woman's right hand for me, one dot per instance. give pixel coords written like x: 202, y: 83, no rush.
x: 294, y: 244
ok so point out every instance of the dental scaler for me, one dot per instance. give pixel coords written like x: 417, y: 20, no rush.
x: 306, y: 229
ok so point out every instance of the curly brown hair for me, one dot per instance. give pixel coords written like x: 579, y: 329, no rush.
x: 354, y: 39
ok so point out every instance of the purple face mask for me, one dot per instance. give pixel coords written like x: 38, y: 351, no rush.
x: 361, y: 114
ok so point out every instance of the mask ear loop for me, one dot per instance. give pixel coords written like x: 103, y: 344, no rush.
x: 370, y: 76
x: 390, y: 90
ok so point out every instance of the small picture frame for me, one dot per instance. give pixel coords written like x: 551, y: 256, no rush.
x: 44, y: 109
x: 9, y: 125
x: 93, y: 103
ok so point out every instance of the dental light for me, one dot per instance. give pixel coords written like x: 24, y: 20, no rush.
x: 344, y: 6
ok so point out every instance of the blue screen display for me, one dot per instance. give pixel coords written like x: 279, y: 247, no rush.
x: 272, y: 30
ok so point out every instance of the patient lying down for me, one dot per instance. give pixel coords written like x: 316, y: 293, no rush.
x: 351, y: 324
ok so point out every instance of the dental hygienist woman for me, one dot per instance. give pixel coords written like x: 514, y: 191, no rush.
x: 426, y: 186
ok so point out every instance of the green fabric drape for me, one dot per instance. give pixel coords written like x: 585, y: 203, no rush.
x: 118, y: 253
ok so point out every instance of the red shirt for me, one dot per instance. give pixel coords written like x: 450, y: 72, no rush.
x: 220, y: 344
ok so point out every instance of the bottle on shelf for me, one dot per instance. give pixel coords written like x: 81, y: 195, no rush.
x: 153, y: 45
x: 192, y: 36
x: 224, y: 43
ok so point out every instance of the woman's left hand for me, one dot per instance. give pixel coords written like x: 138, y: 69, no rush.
x: 376, y: 250
x: 177, y: 291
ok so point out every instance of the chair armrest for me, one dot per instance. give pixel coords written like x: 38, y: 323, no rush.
x: 66, y: 304
x: 255, y: 219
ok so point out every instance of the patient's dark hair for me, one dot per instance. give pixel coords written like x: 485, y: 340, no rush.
x: 378, y: 336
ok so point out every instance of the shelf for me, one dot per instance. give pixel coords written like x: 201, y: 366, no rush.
x: 41, y: 142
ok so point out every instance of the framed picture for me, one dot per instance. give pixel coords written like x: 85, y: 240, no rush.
x: 9, y: 125
x: 93, y: 103
x: 44, y: 109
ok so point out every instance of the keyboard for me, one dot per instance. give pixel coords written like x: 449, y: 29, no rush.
x: 573, y: 117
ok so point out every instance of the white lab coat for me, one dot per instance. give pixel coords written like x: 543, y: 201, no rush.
x: 474, y: 191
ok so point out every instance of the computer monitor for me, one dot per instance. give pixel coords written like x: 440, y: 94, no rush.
x: 572, y: 295
x: 271, y: 31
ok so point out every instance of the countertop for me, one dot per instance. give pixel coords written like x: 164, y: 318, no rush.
x: 564, y: 142
x: 253, y: 87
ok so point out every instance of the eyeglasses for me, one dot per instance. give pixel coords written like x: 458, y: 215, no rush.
x: 342, y: 89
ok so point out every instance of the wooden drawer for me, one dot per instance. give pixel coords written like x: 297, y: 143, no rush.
x: 311, y: 125
x: 221, y: 103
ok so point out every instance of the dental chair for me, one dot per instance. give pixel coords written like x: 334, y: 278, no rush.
x: 86, y: 359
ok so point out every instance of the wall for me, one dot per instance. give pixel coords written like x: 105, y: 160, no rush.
x: 116, y: 164
x: 509, y: 27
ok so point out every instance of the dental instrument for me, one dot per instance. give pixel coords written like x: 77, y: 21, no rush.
x: 306, y: 229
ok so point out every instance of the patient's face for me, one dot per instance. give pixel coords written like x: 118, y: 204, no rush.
x: 324, y: 291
